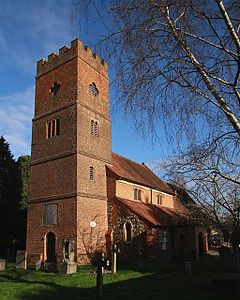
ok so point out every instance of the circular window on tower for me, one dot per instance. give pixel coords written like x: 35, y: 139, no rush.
x: 93, y: 89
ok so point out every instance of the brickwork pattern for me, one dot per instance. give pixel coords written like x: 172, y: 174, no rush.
x: 59, y: 170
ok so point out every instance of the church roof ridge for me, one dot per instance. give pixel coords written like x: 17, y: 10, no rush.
x: 138, y: 173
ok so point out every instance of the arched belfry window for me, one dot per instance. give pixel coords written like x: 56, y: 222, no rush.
x: 93, y: 89
x: 53, y: 128
x: 96, y: 129
x: 128, y: 231
x: 49, y: 129
x: 92, y: 127
x: 91, y: 173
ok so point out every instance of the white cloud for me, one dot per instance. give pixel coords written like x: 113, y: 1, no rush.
x: 16, y: 112
x: 35, y: 30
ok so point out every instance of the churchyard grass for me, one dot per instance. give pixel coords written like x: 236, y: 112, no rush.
x: 125, y: 284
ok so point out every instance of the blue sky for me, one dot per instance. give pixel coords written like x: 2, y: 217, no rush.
x: 29, y: 31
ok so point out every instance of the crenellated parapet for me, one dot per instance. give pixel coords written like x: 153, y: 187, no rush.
x: 67, y: 53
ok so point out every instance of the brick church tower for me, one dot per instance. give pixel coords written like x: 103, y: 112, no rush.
x: 71, y: 146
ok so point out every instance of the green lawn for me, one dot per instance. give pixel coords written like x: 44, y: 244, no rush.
x: 126, y: 284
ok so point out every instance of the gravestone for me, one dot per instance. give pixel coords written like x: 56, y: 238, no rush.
x: 114, y: 259
x: 21, y: 259
x: 40, y: 264
x: 188, y: 271
x: 68, y: 266
x: 100, y: 269
x: 3, y: 263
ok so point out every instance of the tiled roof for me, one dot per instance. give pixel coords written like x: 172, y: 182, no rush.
x: 134, y: 172
x: 152, y: 214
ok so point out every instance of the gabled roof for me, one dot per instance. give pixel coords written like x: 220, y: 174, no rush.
x: 152, y: 214
x: 134, y: 172
x: 183, y: 195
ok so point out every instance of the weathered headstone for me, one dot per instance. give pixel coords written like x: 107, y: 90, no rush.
x: 40, y: 263
x: 100, y: 270
x: 21, y: 259
x: 68, y: 266
x: 3, y: 263
x: 114, y: 259
x: 188, y: 271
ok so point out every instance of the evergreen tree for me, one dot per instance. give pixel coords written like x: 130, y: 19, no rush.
x: 9, y: 194
x: 24, y: 165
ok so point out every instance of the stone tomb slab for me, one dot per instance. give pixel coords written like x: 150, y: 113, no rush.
x: 3, y: 263
x: 68, y: 267
x: 21, y: 259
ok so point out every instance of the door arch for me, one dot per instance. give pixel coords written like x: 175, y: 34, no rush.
x: 50, y: 247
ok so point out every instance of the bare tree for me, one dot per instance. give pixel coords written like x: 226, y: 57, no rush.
x: 214, y: 184
x: 178, y: 66
x: 178, y: 60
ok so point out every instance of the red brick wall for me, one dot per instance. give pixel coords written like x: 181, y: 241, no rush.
x: 60, y: 165
x: 36, y: 231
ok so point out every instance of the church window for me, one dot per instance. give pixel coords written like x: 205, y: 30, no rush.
x: 55, y: 88
x: 91, y: 173
x: 128, y: 231
x: 50, y: 214
x: 53, y: 128
x: 163, y: 239
x: 96, y: 129
x: 49, y: 129
x: 92, y: 127
x: 159, y: 199
x: 58, y: 126
x: 93, y: 89
x: 137, y: 194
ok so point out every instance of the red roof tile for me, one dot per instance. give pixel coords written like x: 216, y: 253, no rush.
x: 155, y: 215
x: 134, y: 172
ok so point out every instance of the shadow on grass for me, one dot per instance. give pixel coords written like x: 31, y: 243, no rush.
x: 33, y: 285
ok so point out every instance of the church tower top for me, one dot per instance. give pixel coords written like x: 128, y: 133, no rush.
x: 67, y: 53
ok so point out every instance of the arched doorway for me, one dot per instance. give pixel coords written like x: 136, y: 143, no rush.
x: 201, y: 246
x: 50, y: 247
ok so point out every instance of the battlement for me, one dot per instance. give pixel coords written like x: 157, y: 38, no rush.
x: 67, y: 53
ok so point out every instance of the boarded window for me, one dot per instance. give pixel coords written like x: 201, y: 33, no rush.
x: 91, y: 173
x: 50, y: 214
